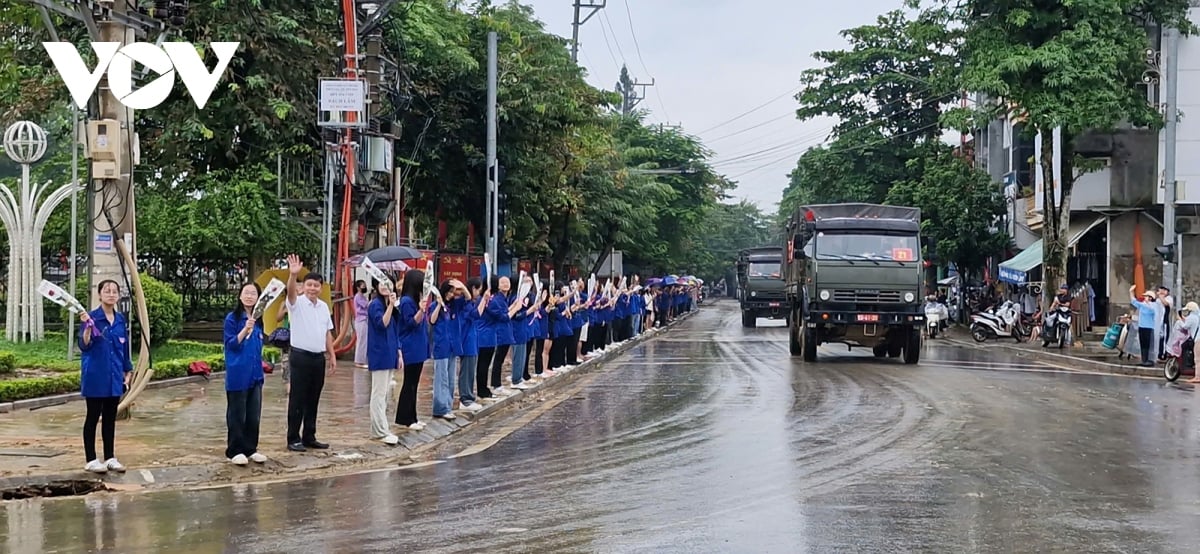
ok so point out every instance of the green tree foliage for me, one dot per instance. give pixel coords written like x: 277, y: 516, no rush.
x: 887, y: 91
x: 958, y: 207
x: 580, y: 178
x: 1072, y: 65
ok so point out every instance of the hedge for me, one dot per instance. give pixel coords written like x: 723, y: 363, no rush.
x: 8, y: 361
x: 22, y: 389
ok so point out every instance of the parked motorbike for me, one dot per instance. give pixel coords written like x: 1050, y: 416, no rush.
x: 1056, y: 326
x: 1184, y: 363
x: 1003, y: 321
x: 936, y: 318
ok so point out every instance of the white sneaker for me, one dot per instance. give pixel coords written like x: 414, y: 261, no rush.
x: 521, y: 386
x: 391, y: 440
x: 114, y: 465
x: 96, y: 466
x: 239, y: 460
x: 449, y: 415
x: 417, y: 426
x: 501, y: 391
x: 258, y: 458
x: 472, y: 407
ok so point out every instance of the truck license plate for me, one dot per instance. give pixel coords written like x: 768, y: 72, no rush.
x: 774, y: 304
x: 868, y: 318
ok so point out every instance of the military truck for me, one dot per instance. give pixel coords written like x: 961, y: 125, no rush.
x: 760, y: 284
x: 853, y: 275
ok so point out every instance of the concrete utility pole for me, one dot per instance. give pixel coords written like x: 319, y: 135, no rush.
x: 492, y: 215
x: 592, y: 6
x: 1171, y: 113
x: 631, y: 95
x: 110, y: 195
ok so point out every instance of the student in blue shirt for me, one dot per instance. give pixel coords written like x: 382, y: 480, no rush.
x: 447, y: 344
x: 469, y: 362
x: 383, y: 357
x: 105, y: 368
x: 243, y: 378
x: 413, y: 330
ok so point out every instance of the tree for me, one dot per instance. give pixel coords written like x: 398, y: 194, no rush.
x: 1073, y: 66
x: 959, y: 207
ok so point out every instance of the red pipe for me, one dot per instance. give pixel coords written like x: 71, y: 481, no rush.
x: 342, y: 279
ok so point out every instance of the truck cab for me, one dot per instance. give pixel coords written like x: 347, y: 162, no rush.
x: 853, y: 275
x: 760, y: 284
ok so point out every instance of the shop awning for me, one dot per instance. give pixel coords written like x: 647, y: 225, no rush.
x: 1016, y: 269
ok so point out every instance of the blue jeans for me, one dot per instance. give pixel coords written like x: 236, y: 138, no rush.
x: 443, y: 386
x: 637, y: 325
x: 519, y: 352
x: 466, y: 379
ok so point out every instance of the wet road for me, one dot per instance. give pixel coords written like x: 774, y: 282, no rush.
x: 712, y: 439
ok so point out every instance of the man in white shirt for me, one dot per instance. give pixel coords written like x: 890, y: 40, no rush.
x: 311, y: 355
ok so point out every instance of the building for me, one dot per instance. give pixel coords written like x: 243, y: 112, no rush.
x: 1109, y: 206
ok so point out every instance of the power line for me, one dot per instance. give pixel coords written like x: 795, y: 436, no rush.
x: 848, y: 149
x: 755, y: 109
x: 608, y: 21
x: 633, y: 33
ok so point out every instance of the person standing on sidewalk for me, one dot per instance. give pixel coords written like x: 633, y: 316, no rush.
x: 243, y: 379
x: 1149, y: 320
x: 360, y: 324
x: 414, y: 345
x: 383, y: 358
x: 310, y: 358
x: 470, y: 346
x: 447, y: 344
x: 105, y: 367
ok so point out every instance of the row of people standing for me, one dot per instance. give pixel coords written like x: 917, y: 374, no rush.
x: 469, y: 331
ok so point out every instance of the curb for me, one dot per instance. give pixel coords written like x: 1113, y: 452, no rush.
x: 411, y: 444
x: 1081, y: 363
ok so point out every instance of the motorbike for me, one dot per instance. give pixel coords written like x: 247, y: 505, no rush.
x: 936, y: 318
x: 1184, y: 362
x: 1056, y: 326
x: 1003, y: 321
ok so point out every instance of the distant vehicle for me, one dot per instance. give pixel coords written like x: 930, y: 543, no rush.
x: 853, y: 275
x: 760, y: 284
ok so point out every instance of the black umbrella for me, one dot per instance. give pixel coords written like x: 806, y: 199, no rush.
x: 393, y: 254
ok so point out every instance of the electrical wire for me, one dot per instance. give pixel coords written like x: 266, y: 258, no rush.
x: 840, y: 150
x: 752, y: 110
x: 638, y: 47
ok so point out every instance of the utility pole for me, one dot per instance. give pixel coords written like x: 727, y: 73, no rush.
x: 592, y: 6
x: 111, y: 195
x: 492, y: 170
x: 631, y: 94
x: 1171, y: 112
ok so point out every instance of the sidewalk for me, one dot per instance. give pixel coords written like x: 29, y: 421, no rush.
x: 176, y: 436
x: 1089, y: 356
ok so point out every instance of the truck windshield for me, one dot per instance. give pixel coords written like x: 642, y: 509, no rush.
x: 858, y: 246
x: 764, y: 270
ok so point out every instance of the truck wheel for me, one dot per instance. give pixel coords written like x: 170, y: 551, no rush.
x: 749, y: 320
x: 794, y: 341
x: 809, y: 345
x: 912, y: 347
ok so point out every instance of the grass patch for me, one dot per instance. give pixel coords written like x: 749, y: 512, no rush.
x: 23, y: 366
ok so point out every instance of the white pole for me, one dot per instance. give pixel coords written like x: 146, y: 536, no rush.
x: 74, y: 224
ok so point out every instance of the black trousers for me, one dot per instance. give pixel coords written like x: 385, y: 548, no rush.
x: 529, y: 346
x: 573, y: 347
x: 559, y: 349
x: 243, y: 413
x: 406, y: 408
x: 104, y: 412
x: 308, y: 380
x: 481, y: 371
x: 1146, y: 340
x: 497, y: 362
x: 539, y: 362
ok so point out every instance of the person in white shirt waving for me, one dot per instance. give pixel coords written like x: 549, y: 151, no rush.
x: 311, y: 355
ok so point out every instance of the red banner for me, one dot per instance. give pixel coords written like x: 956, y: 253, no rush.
x: 423, y: 263
x: 476, y: 266
x: 525, y: 265
x: 452, y: 266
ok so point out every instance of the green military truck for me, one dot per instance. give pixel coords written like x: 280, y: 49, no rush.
x: 760, y: 284
x: 853, y: 275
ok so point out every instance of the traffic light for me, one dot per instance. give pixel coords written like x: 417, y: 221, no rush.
x: 492, y: 176
x: 1167, y: 251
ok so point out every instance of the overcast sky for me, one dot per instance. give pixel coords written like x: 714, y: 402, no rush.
x: 713, y: 61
